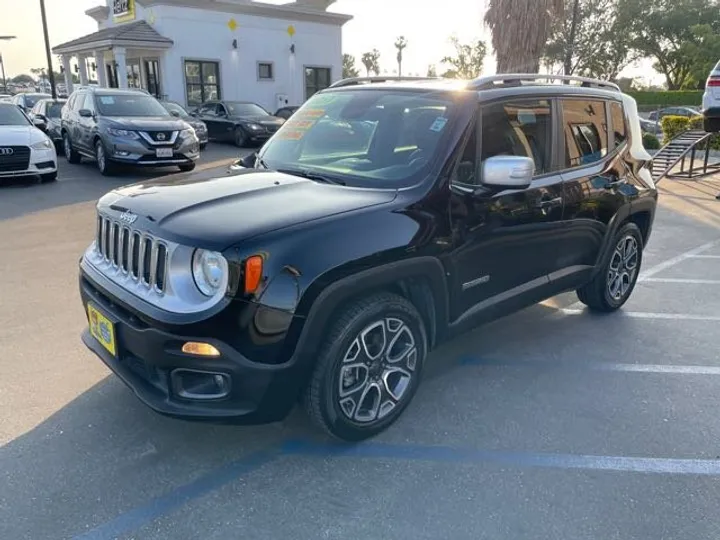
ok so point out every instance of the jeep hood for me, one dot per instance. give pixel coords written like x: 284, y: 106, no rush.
x: 219, y: 212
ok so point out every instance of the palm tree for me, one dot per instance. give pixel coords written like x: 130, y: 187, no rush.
x: 520, y: 30
x: 400, y: 44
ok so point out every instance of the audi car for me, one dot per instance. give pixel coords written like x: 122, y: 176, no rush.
x: 24, y: 149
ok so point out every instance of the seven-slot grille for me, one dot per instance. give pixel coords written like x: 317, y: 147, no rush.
x: 141, y: 256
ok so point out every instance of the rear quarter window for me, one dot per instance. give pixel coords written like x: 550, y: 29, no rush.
x: 585, y: 130
x: 619, y: 127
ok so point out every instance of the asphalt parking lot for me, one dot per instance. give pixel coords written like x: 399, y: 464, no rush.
x: 551, y: 423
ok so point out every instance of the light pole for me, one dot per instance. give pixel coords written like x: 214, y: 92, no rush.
x: 51, y: 75
x: 2, y: 62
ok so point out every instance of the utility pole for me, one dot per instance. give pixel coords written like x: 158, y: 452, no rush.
x: 2, y: 62
x: 51, y: 75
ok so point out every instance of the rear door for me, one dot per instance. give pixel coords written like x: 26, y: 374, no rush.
x: 86, y: 124
x: 595, y: 177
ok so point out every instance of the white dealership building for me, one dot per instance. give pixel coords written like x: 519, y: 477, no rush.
x: 192, y: 51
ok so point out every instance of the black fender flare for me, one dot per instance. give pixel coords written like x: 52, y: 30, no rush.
x: 622, y: 216
x: 335, y: 294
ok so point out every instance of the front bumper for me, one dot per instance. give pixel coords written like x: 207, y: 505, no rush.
x: 148, y: 358
x: 139, y: 153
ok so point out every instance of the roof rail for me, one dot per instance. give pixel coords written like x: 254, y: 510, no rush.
x: 489, y: 82
x: 380, y: 79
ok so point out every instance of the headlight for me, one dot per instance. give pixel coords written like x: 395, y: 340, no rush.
x: 210, y: 270
x: 199, y: 127
x: 185, y: 133
x: 124, y: 133
x: 254, y: 127
x: 43, y: 145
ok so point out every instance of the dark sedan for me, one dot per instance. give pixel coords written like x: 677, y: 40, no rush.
x: 241, y: 122
x: 198, y: 125
x: 46, y: 115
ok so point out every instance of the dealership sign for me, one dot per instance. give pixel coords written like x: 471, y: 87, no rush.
x: 123, y: 10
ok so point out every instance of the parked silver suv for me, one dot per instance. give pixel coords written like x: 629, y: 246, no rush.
x: 125, y: 127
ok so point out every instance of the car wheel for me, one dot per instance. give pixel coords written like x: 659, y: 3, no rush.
x: 70, y: 154
x: 614, y: 284
x: 48, y: 178
x: 240, y: 138
x: 203, y: 146
x: 187, y: 167
x: 104, y: 165
x: 711, y: 125
x: 368, y: 368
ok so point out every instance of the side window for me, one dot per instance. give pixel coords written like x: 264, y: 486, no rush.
x: 585, y: 132
x: 209, y: 109
x: 89, y: 103
x: 618, y: 123
x: 70, y: 102
x: 518, y: 128
x: 79, y: 102
x: 220, y: 111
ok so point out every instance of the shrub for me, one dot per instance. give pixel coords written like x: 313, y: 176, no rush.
x: 650, y: 142
x: 672, y: 126
x: 675, y: 98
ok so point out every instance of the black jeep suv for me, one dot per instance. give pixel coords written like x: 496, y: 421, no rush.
x: 383, y: 218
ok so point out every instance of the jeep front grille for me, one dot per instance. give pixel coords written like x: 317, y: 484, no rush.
x: 133, y: 252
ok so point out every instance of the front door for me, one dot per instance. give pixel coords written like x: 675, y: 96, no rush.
x: 208, y: 114
x: 506, y: 242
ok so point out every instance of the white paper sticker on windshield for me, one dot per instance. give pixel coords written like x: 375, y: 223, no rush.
x: 438, y: 124
x: 107, y: 100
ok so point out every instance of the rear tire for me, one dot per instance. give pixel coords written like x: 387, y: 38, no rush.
x: 48, y: 178
x: 368, y: 368
x: 70, y: 154
x: 613, y: 285
x: 711, y: 125
x: 104, y: 165
x: 187, y: 167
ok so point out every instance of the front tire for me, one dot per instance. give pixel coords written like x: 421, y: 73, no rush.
x: 104, y: 165
x: 614, y: 284
x: 368, y: 368
x: 240, y: 138
x: 70, y: 154
x: 203, y: 146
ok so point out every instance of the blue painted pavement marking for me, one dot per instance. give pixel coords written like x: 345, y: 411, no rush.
x: 444, y: 454
x: 164, y: 504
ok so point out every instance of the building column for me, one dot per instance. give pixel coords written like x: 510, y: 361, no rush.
x: 119, y: 54
x: 67, y: 71
x: 82, y: 65
x: 143, y: 75
x: 101, y: 69
x: 164, y: 80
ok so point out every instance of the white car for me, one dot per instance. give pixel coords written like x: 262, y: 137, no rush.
x: 711, y: 101
x: 24, y: 149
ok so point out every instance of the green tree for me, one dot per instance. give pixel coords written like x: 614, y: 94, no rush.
x: 520, y: 30
x: 467, y: 62
x: 704, y: 51
x: 588, y: 40
x: 666, y: 31
x: 348, y: 66
x: 371, y: 61
x: 400, y: 44
x: 23, y: 79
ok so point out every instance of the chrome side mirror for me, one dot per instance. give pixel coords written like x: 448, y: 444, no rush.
x: 509, y: 172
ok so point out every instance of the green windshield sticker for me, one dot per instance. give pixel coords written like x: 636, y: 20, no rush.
x: 438, y: 124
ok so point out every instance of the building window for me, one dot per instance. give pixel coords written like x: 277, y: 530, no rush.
x: 265, y: 71
x: 202, y: 81
x: 316, y: 79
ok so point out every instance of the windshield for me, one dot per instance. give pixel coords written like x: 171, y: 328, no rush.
x: 129, y: 105
x: 245, y: 109
x: 32, y: 99
x: 54, y: 109
x: 172, y: 107
x: 364, y: 137
x: 10, y: 115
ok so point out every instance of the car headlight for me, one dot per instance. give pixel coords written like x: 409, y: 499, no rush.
x: 200, y: 128
x: 185, y: 133
x: 254, y: 127
x: 124, y: 133
x: 210, y: 271
x: 43, y: 145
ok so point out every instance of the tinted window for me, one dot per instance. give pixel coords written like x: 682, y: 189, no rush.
x: 518, y: 128
x: 129, y: 105
x: 174, y: 107
x: 209, y: 109
x: 366, y: 138
x: 245, y: 109
x: 10, y: 115
x: 585, y: 130
x: 618, y: 123
x: 54, y: 110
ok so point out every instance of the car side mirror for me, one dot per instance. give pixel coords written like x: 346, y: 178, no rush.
x: 40, y: 123
x: 248, y: 161
x: 507, y: 172
x: 85, y: 113
x: 175, y: 113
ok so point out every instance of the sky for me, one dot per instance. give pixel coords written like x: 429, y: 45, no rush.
x: 376, y: 24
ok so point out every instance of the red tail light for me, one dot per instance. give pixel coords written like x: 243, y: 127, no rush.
x: 713, y: 81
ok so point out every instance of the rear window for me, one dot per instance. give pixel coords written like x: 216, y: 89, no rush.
x: 585, y: 129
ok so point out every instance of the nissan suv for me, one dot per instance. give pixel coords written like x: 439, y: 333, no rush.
x: 384, y: 217
x: 125, y: 127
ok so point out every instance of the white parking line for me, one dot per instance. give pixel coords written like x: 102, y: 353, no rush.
x: 646, y: 315
x: 705, y: 257
x: 659, y: 368
x: 681, y: 280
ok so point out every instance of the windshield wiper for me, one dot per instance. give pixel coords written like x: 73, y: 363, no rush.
x: 312, y: 176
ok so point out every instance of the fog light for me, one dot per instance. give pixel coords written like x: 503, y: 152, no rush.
x: 200, y: 349
x: 122, y: 153
x: 199, y: 385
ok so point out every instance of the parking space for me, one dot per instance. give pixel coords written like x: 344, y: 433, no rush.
x: 551, y: 423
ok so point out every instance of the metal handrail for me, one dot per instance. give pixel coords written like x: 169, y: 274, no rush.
x: 693, y: 138
x: 380, y: 79
x: 489, y: 81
